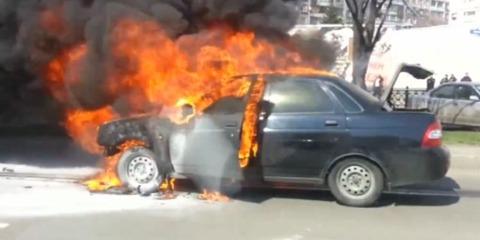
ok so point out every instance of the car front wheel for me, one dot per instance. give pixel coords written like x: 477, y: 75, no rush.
x: 138, y: 170
x: 356, y: 182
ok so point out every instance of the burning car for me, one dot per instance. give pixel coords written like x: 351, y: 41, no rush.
x: 301, y: 130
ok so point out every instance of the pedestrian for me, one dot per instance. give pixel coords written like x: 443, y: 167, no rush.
x: 444, y: 79
x: 452, y: 78
x: 466, y: 78
x: 378, y: 87
x: 430, y: 83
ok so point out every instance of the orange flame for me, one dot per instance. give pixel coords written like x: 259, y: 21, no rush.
x: 108, y: 178
x: 168, y: 188
x: 150, y: 69
x: 83, y: 126
x: 213, y: 196
x: 249, y: 143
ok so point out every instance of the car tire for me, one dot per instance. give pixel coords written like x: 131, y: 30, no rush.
x: 139, y: 171
x: 356, y: 182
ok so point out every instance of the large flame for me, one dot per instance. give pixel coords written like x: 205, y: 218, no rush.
x: 249, y: 143
x: 108, y: 178
x: 149, y: 68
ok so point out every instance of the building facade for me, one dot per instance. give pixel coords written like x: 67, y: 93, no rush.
x: 465, y: 11
x: 408, y: 12
x: 427, y: 12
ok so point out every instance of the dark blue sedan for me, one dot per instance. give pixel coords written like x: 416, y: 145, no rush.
x: 313, y: 132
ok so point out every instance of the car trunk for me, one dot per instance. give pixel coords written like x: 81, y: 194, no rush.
x: 415, y: 71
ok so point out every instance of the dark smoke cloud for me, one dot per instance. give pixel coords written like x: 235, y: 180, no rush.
x: 26, y: 45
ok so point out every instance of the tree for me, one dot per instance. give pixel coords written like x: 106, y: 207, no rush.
x: 332, y: 16
x: 368, y: 20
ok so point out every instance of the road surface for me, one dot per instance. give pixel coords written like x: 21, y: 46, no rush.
x: 35, y: 208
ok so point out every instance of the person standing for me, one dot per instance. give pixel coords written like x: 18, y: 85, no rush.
x: 452, y: 78
x: 466, y: 78
x: 378, y: 87
x: 444, y: 79
x: 430, y: 83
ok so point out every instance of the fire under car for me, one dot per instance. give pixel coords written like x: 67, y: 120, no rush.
x: 313, y: 131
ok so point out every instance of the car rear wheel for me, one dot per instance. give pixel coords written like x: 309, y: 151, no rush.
x: 356, y: 182
x: 138, y: 170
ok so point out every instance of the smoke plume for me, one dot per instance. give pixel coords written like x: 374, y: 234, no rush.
x: 33, y: 32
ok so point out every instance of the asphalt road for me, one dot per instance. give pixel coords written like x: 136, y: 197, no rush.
x: 41, y: 209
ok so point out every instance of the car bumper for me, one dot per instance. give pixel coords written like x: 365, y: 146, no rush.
x: 417, y: 166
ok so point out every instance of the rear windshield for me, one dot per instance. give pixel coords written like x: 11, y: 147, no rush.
x: 359, y: 92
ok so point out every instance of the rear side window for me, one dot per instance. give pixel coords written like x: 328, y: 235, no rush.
x: 444, y: 92
x: 346, y: 100
x: 298, y: 96
x: 465, y: 92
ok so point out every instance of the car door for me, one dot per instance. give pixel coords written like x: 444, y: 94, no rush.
x: 208, y: 146
x: 468, y: 113
x: 442, y: 103
x: 301, y: 131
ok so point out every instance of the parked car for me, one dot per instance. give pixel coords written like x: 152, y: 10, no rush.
x: 314, y: 132
x: 455, y: 104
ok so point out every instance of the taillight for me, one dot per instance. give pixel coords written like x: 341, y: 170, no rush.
x: 433, y: 136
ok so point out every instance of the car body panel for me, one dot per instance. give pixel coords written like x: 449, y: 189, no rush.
x: 452, y: 110
x: 301, y: 147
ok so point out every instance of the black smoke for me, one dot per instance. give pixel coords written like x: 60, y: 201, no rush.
x: 26, y: 45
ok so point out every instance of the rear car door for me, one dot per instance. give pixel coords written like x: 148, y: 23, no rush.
x: 442, y: 103
x: 301, y: 130
x: 468, y: 113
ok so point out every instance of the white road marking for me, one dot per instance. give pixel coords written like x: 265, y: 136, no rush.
x: 4, y: 225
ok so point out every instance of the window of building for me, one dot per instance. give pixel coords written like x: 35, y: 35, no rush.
x: 469, y: 13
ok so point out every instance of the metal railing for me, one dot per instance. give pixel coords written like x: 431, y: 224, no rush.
x: 400, y: 97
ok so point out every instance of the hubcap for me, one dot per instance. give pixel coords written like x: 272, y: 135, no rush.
x: 142, y: 169
x: 355, y: 180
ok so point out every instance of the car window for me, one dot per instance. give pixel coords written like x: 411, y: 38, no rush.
x: 444, y: 92
x: 227, y: 105
x: 464, y: 92
x: 346, y: 100
x: 298, y: 96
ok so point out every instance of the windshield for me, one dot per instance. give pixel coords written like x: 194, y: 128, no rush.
x: 477, y: 87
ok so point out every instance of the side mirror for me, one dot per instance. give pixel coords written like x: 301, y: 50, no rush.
x: 474, y: 98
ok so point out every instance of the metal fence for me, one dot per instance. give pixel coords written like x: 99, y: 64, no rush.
x: 400, y: 97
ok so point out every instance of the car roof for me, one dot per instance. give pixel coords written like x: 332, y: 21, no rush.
x: 367, y: 102
x: 460, y: 83
x: 279, y: 75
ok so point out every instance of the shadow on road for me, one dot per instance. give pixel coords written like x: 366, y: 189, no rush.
x: 418, y: 200
x: 438, y: 193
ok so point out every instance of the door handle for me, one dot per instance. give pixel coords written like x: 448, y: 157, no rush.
x: 331, y: 123
x: 262, y: 116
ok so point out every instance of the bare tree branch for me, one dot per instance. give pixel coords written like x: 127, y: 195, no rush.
x: 380, y: 5
x: 364, y: 5
x: 351, y: 4
x: 365, y: 15
x: 415, y: 12
x: 382, y: 22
